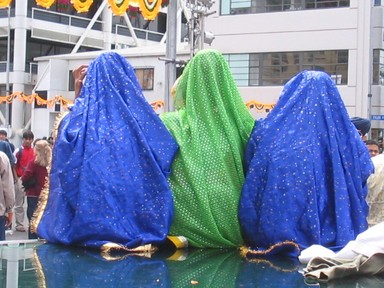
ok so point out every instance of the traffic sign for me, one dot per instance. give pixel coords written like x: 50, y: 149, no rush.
x: 377, y: 117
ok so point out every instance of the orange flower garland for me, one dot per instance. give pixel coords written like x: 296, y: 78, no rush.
x: 157, y: 105
x: 31, y: 98
x: 45, y: 3
x: 260, y: 107
x: 150, y: 8
x: 81, y: 5
x: 5, y: 3
x: 118, y: 7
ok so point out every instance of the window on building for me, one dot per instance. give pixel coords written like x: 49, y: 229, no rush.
x: 145, y: 77
x: 232, y: 7
x: 4, y: 55
x: 275, y: 69
x: 43, y: 96
x: 239, y: 64
x: 71, y: 81
x: 378, y: 67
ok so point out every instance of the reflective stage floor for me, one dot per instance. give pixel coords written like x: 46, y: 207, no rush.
x: 37, y: 264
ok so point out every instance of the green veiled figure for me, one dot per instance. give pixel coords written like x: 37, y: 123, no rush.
x: 211, y: 125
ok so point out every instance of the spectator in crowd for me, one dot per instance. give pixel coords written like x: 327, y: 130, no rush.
x: 4, y: 137
x: 362, y: 125
x: 7, y: 194
x: 375, y: 197
x: 23, y: 155
x: 373, y: 147
x: 34, y: 178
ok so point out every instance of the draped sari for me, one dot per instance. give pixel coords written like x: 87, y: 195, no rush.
x: 211, y: 126
x: 306, y: 170
x: 111, y: 160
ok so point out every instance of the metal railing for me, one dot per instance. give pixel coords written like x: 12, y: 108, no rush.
x: 65, y: 19
x: 3, y: 66
x: 249, y: 7
x: 121, y: 30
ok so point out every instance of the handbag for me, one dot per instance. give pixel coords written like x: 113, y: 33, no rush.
x: 31, y: 182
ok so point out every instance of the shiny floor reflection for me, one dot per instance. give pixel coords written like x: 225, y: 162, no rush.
x: 36, y: 264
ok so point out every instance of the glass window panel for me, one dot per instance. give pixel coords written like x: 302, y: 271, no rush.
x: 270, y: 69
x: 241, y: 3
x: 242, y: 82
x: 71, y: 81
x: 145, y: 77
x: 224, y: 7
x: 239, y: 64
x: 263, y: 6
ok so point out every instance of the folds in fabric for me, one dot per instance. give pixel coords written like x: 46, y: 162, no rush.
x: 111, y: 160
x: 211, y: 125
x: 325, y: 269
x: 306, y: 170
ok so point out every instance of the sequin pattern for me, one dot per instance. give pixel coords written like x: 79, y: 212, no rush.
x: 307, y: 169
x: 211, y: 126
x: 111, y: 161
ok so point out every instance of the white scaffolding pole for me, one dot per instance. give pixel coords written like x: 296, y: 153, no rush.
x: 89, y: 27
x: 170, y: 54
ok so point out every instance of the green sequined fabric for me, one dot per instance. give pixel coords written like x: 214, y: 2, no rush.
x: 212, y: 126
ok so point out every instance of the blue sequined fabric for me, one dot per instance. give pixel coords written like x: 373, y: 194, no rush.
x: 306, y: 170
x: 111, y: 160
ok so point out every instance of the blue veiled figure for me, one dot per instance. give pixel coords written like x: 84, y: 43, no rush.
x: 111, y: 160
x: 306, y: 171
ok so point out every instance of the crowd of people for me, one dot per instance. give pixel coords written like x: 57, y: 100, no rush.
x: 24, y: 173
x: 207, y: 175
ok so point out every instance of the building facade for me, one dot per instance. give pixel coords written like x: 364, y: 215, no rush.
x: 266, y: 42
x: 269, y: 41
x: 28, y: 31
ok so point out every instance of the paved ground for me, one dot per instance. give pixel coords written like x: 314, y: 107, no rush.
x: 14, y: 235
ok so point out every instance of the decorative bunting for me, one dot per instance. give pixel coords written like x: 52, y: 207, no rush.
x: 45, y: 3
x: 5, y: 3
x: 260, y: 107
x: 157, y: 105
x: 150, y: 8
x: 56, y: 100
x: 31, y: 98
x: 81, y: 5
x: 119, y: 7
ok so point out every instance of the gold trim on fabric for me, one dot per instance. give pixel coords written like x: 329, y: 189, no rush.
x: 247, y: 251
x: 43, y: 198
x: 39, y: 270
x: 143, y: 251
x: 271, y: 264
x: 42, y: 203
